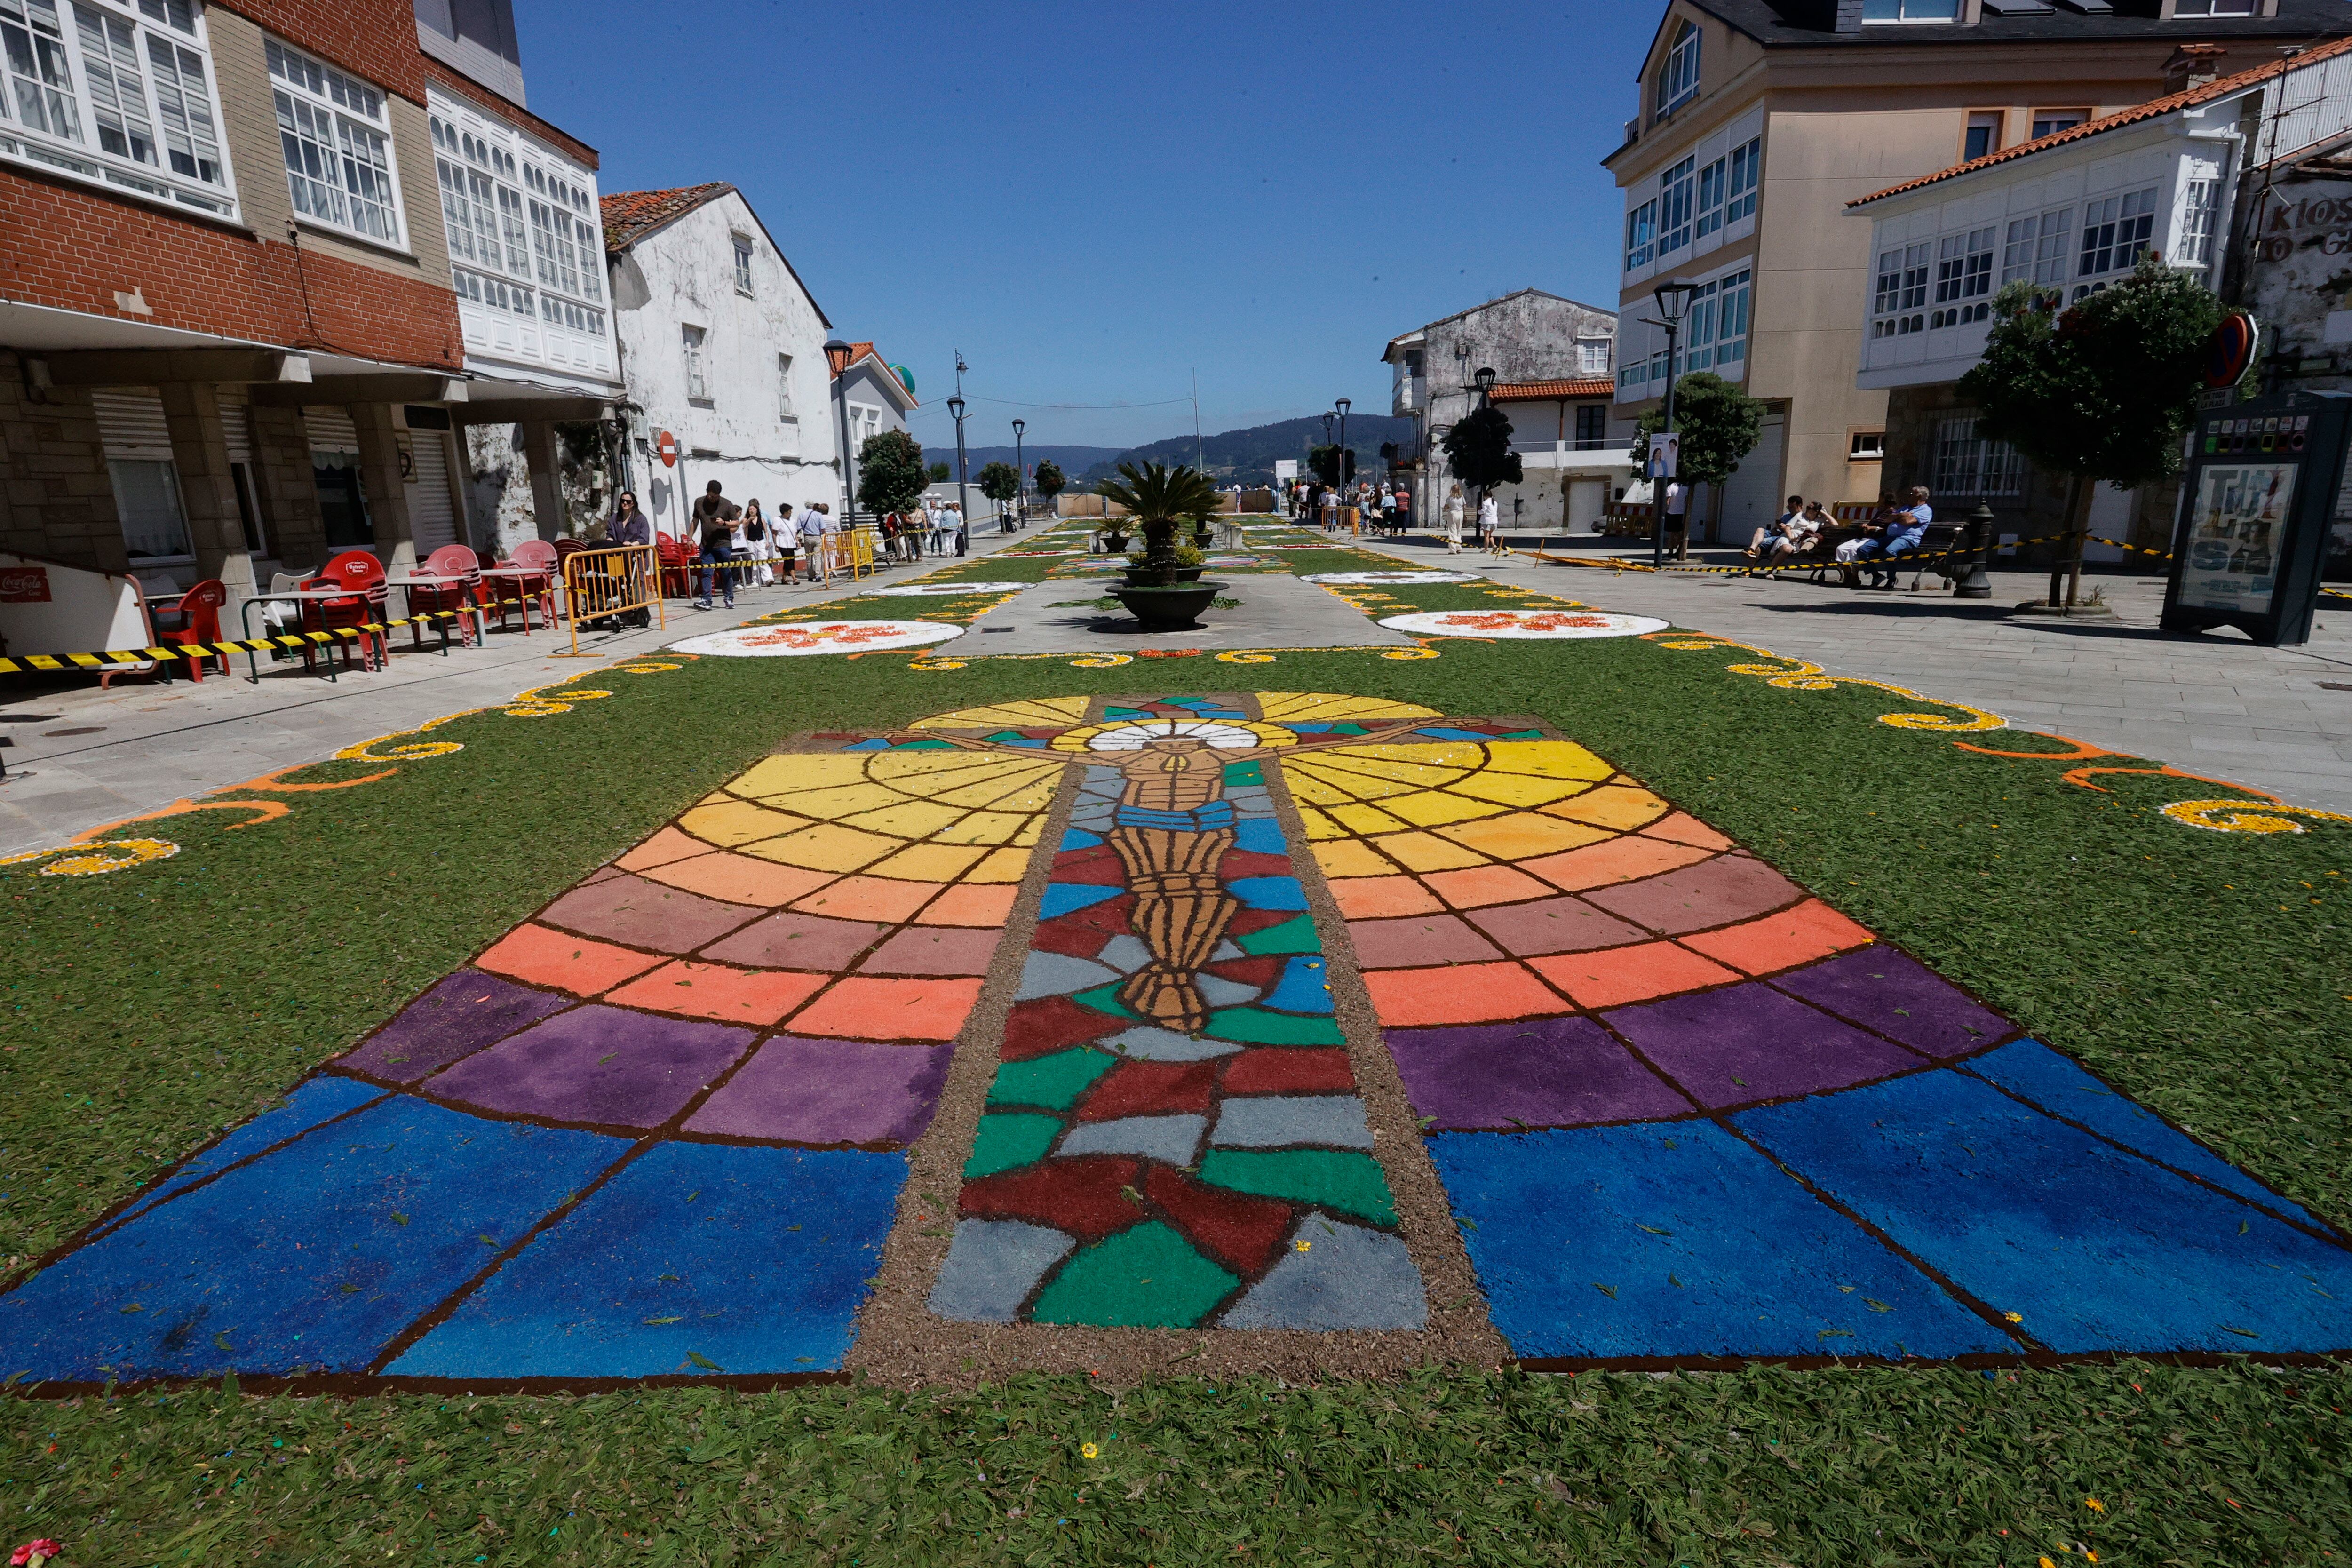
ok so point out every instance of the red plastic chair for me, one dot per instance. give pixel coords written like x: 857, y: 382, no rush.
x: 195, y: 619
x: 362, y: 574
x: 677, y: 583
x: 509, y: 594
x: 462, y: 595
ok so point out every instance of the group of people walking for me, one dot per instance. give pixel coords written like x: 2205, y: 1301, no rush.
x: 1386, y: 506
x: 1455, y: 511
x: 744, y: 545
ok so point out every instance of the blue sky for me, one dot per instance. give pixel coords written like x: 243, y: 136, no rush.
x: 1091, y: 201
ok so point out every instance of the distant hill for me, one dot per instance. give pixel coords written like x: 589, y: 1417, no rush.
x: 1073, y: 461
x: 1247, y: 456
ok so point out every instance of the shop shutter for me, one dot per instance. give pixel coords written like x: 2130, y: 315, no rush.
x: 331, y: 430
x: 237, y: 426
x: 130, y: 424
x: 431, y: 519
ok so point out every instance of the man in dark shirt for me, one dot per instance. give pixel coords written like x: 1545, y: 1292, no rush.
x: 714, y: 517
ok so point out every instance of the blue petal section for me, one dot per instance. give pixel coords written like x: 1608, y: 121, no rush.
x: 1677, y: 1240
x: 1061, y: 898
x: 1269, y: 892
x: 879, y: 743
x: 2031, y: 1070
x: 2096, y: 1249
x: 315, y: 1257
x: 1261, y: 835
x: 1077, y: 839
x: 1305, y: 986
x: 753, y: 1259
x: 321, y: 1099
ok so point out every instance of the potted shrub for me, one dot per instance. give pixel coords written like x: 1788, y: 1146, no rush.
x: 1112, y: 533
x: 1161, y: 591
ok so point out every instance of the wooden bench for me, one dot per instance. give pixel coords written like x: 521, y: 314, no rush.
x: 1942, y: 548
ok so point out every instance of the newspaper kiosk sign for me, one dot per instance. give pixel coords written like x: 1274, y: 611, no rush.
x: 2260, y: 487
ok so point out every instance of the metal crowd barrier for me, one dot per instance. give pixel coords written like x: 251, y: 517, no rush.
x: 609, y: 582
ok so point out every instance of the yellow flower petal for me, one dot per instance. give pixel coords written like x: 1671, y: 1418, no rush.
x: 1090, y: 1450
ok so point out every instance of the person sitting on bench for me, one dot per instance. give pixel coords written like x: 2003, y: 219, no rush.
x: 1902, y: 533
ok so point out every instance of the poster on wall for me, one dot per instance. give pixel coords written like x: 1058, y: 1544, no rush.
x: 2235, y: 526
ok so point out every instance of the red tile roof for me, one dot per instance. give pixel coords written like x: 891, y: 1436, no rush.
x: 1553, y: 390
x: 866, y: 351
x: 629, y: 215
x: 2155, y: 108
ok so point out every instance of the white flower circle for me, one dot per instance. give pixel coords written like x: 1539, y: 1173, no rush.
x: 805, y: 637
x: 947, y: 590
x: 1367, y: 579
x: 1525, y: 624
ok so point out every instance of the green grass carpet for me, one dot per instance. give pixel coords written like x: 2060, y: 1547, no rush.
x: 2205, y: 973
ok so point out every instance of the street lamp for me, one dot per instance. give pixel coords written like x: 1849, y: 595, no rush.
x: 963, y: 534
x: 1021, y: 475
x: 1347, y: 468
x: 837, y: 354
x: 1674, y: 300
x: 1486, y: 380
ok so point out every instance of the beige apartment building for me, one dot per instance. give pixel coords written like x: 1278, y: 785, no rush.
x: 1761, y: 119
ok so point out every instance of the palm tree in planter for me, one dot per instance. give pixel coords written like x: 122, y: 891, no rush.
x: 1159, y: 591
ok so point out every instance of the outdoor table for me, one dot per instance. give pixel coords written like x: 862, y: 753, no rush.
x: 437, y: 580
x: 523, y: 574
x: 292, y: 595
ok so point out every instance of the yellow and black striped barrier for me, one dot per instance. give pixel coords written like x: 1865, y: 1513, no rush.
x: 1908, y: 560
x: 117, y: 658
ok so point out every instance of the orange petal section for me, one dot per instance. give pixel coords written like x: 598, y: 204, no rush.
x: 988, y: 904
x: 860, y: 1008
x: 663, y: 847
x: 883, y: 898
x: 740, y: 878
x: 717, y: 991
x: 1617, y: 975
x: 1618, y: 860
x: 1459, y: 994
x: 1375, y: 897
x: 1682, y: 827
x: 1811, y: 930
x: 1480, y: 886
x: 538, y: 956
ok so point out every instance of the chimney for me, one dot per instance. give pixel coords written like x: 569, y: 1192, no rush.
x: 2193, y: 65
x: 1846, y: 16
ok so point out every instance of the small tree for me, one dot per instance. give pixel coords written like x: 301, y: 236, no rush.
x: 2104, y: 389
x: 941, y: 473
x: 1000, y: 482
x: 1478, y: 450
x: 1049, y: 479
x: 1718, y: 422
x: 1161, y: 496
x: 890, y: 472
x: 1323, y: 462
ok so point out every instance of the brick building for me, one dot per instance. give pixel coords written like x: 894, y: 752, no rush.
x: 264, y: 262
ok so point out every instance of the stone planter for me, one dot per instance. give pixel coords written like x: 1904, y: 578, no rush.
x: 1174, y: 608
x: 1149, y: 576
x: 1113, y: 543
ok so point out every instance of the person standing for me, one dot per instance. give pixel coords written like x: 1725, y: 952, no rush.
x: 1455, y: 510
x: 1490, y: 525
x: 714, y: 519
x: 628, y: 527
x: 784, y: 543
x: 759, y: 542
x: 1677, y: 519
x: 1388, y: 510
x: 811, y: 533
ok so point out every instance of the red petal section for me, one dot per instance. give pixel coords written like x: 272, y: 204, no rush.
x: 1098, y: 867
x: 1239, y: 863
x: 1247, y: 921
x: 1150, y: 1089
x: 1072, y: 935
x: 1258, y: 971
x: 1290, y: 1072
x: 1051, y: 1023
x: 1079, y: 1195
x: 1239, y: 1231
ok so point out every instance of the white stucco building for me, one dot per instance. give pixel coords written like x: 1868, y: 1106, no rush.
x: 723, y: 348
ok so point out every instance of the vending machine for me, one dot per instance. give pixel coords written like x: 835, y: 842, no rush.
x: 2253, y: 529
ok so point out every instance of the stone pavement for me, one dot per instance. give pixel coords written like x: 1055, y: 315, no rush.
x: 2215, y: 705
x: 84, y: 757
x: 1275, y: 611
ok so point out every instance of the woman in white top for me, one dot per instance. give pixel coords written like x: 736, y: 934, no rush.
x: 1489, y: 524
x: 755, y: 541
x: 1453, y: 516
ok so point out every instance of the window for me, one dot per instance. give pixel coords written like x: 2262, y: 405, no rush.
x: 1641, y: 232
x: 2197, y: 201
x: 2049, y: 122
x: 1963, y: 278
x: 142, y: 118
x: 1983, y: 134
x: 1910, y: 10
x: 1726, y: 187
x: 698, y: 389
x: 1866, y: 447
x: 1593, y: 356
x: 1710, y: 196
x: 514, y: 222
x: 1968, y: 465
x: 1675, y: 192
x: 784, y: 389
x: 2115, y: 231
x: 1678, y: 78
x: 2217, y: 7
x: 332, y: 130
x: 1731, y: 324
x: 1591, y: 427
x: 1698, y: 329
x: 742, y: 265
x: 1902, y: 291
x: 147, y: 494
x: 2034, y: 251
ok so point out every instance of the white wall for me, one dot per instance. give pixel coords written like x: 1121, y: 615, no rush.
x: 683, y: 275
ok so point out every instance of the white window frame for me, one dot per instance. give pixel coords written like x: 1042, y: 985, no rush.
x: 57, y: 116
x: 1735, y: 309
x: 1678, y: 75
x: 1964, y: 277
x: 334, y: 136
x: 2118, y: 230
x: 2036, y: 248
x: 1641, y: 236
x: 1593, y: 356
x: 2216, y: 9
x: 745, y: 250
x: 519, y: 223
x: 1898, y: 304
x: 692, y: 342
x: 1677, y: 196
x: 2201, y: 197
x: 1952, y: 12
x: 1967, y: 464
x: 785, y: 413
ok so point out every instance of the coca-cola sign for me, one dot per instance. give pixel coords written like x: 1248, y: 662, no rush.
x: 23, y: 584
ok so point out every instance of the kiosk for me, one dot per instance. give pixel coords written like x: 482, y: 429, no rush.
x: 2254, y: 530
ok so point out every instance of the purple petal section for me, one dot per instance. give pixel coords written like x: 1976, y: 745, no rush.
x: 458, y: 1018
x: 1546, y: 1072
x: 1900, y: 997
x: 608, y: 1066
x: 1747, y: 1043
x: 800, y: 1091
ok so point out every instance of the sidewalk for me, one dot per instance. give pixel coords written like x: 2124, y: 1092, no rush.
x: 83, y: 757
x: 2214, y: 704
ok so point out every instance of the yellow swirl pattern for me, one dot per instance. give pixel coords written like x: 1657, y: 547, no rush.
x: 97, y: 859
x: 2247, y: 815
x: 1793, y: 674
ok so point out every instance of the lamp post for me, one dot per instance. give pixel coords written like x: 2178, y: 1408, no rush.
x: 1021, y: 475
x: 837, y: 354
x: 963, y: 534
x: 1486, y: 383
x: 1674, y: 300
